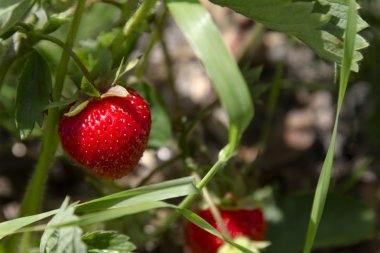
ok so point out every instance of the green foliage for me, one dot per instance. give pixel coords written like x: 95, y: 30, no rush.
x: 134, y: 199
x: 329, y: 27
x: 325, y: 177
x: 345, y: 221
x: 107, y: 241
x: 89, y: 89
x: 62, y: 240
x: 33, y: 93
x: 11, y: 226
x: 13, y: 11
x: 320, y: 24
x: 165, y: 190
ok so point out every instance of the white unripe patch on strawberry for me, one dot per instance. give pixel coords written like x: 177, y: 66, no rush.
x: 254, y: 246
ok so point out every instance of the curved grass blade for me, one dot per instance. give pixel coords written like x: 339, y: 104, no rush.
x: 203, y: 36
x: 324, y: 178
x: 11, y: 226
x: 166, y: 190
x: 141, y: 207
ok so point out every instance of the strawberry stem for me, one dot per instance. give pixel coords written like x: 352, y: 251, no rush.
x: 69, y: 51
x: 34, y: 192
x: 138, y: 17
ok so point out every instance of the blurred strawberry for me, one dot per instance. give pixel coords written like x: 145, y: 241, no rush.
x: 239, y: 223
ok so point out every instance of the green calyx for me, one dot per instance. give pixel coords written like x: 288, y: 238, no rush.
x: 114, y: 91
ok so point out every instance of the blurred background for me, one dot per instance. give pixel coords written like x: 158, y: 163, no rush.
x: 279, y: 160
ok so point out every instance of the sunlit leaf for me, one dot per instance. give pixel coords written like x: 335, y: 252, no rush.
x: 65, y: 239
x: 11, y: 226
x: 203, y: 36
x: 320, y: 24
x: 325, y: 177
x: 165, y: 190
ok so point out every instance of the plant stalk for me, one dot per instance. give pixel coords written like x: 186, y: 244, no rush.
x: 190, y: 198
x: 214, y: 210
x: 69, y: 51
x: 138, y: 17
x: 34, y: 192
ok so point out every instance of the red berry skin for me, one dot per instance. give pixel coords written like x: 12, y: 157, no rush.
x: 109, y: 136
x: 241, y: 222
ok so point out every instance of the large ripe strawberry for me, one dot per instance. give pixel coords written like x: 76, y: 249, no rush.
x: 109, y: 135
x: 240, y: 222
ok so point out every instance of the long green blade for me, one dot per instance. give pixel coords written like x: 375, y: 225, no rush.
x: 134, y: 197
x: 324, y: 179
x: 203, y: 36
x: 141, y: 207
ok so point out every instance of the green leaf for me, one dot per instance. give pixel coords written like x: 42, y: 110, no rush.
x: 320, y: 24
x: 88, y: 88
x: 13, y: 11
x: 11, y: 226
x: 107, y: 241
x: 161, y: 129
x: 346, y: 221
x: 166, y: 190
x: 325, y: 177
x: 124, y: 68
x: 62, y: 240
x: 200, y: 222
x: 57, y: 20
x: 62, y: 103
x: 33, y: 93
x: 203, y: 36
x: 77, y: 109
x: 121, y: 211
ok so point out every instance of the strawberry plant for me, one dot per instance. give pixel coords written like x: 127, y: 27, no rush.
x: 75, y: 84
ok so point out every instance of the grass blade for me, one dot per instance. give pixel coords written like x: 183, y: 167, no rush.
x: 166, y: 190
x: 134, y: 197
x: 324, y: 179
x: 11, y: 226
x: 204, y: 38
x: 141, y: 207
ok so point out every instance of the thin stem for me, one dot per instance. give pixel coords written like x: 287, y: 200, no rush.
x: 205, y: 111
x: 159, y: 168
x: 34, y: 192
x: 138, y: 17
x: 68, y: 50
x: 272, y: 103
x: 190, y: 198
x: 251, y: 44
x: 169, y: 64
x: 141, y: 67
x: 206, y: 179
x: 152, y: 41
x: 214, y: 210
